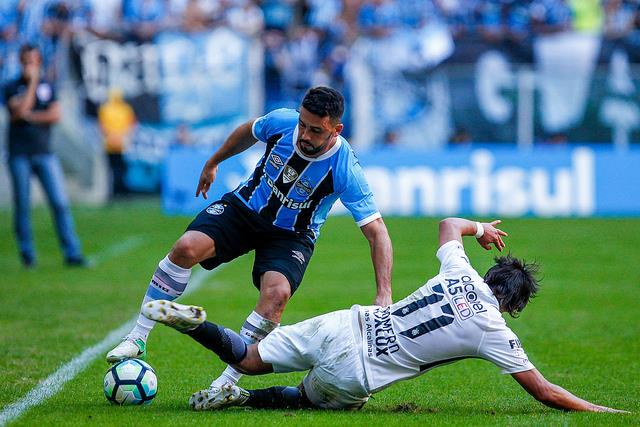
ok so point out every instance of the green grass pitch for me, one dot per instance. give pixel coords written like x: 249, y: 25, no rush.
x: 582, y: 331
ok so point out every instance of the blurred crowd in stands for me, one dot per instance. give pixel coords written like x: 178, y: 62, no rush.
x: 307, y: 41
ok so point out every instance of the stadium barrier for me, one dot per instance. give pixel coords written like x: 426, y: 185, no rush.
x: 545, y: 181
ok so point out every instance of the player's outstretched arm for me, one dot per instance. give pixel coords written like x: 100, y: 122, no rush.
x: 240, y: 139
x: 555, y: 396
x: 486, y: 233
x: 382, y: 259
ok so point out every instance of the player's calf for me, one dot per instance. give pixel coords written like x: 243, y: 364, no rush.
x: 190, y: 320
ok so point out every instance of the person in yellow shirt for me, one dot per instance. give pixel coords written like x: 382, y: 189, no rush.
x: 117, y: 120
x: 588, y: 15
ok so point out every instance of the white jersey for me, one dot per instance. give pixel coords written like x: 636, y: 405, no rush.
x: 453, y: 316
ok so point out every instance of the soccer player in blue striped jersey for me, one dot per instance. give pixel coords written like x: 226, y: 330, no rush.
x: 277, y: 212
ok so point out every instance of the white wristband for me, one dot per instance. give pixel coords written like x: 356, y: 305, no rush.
x: 479, y: 230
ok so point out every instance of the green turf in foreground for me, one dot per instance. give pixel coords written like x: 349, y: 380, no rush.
x: 581, y: 332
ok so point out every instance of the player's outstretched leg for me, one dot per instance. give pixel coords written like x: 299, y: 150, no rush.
x: 168, y: 283
x: 190, y: 320
x: 275, y: 291
x: 254, y: 329
x: 278, y: 397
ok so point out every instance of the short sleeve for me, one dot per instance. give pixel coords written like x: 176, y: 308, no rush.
x: 503, y: 348
x: 357, y: 197
x: 7, y: 92
x: 54, y: 93
x: 452, y: 256
x: 273, y: 123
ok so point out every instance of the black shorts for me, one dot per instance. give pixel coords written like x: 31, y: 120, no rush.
x: 236, y: 230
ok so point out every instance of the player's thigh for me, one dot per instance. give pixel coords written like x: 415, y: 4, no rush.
x: 284, y: 254
x: 337, y: 380
x: 229, y: 230
x: 298, y: 347
x: 192, y: 247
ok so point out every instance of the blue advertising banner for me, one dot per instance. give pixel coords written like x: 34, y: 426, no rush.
x: 502, y: 181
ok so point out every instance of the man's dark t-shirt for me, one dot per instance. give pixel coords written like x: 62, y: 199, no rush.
x: 28, y: 138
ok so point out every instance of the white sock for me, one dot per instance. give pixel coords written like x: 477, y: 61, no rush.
x: 255, y: 328
x: 168, y: 282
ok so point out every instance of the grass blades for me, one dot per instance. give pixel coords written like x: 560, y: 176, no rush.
x: 581, y: 332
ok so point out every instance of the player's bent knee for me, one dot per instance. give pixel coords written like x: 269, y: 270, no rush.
x: 191, y: 248
x: 252, y: 363
x: 276, y: 293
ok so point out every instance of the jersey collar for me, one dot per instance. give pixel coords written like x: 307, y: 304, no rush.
x: 326, y: 155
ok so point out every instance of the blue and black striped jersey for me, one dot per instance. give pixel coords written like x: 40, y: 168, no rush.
x: 295, y: 192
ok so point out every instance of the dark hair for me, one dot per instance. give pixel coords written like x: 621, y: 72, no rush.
x: 324, y: 101
x: 513, y: 282
x: 27, y: 47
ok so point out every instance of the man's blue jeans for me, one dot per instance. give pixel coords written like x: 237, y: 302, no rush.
x: 47, y: 168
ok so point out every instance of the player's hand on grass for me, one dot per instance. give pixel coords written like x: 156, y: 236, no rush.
x: 207, y: 176
x: 611, y: 410
x: 492, y: 235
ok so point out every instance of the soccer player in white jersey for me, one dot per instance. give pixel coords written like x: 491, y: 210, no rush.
x: 277, y: 212
x: 351, y: 354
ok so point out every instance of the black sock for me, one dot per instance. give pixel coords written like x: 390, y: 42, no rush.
x: 222, y: 341
x: 277, y: 398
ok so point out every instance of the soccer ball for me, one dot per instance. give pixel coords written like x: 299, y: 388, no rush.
x: 130, y: 382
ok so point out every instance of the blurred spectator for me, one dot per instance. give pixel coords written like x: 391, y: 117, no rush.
x: 462, y: 16
x: 247, y: 19
x: 492, y: 26
x: 273, y: 46
x: 9, y: 62
x: 620, y: 18
x: 323, y: 14
x: 56, y: 30
x: 298, y: 61
x: 587, y: 16
x: 550, y: 16
x: 378, y: 18
x: 33, y: 108
x: 194, y: 18
x: 279, y: 14
x: 117, y: 120
x: 105, y: 18
x: 565, y: 59
x: 31, y: 17
x: 144, y: 18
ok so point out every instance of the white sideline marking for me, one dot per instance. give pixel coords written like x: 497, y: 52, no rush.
x: 54, y: 382
x: 115, y: 250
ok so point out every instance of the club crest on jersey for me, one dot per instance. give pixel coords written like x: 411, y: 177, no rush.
x: 303, y: 187
x: 298, y: 255
x: 276, y: 161
x: 215, y: 209
x: 44, y: 92
x: 289, y: 174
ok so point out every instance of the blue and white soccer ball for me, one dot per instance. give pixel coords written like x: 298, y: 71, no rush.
x: 130, y: 382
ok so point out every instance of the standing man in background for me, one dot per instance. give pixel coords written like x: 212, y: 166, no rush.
x: 277, y: 212
x: 33, y: 108
x: 116, y: 119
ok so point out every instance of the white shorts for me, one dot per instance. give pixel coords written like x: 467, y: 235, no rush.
x: 326, y: 346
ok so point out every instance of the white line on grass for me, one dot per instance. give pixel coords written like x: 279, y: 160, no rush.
x: 54, y: 382
x: 115, y: 250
